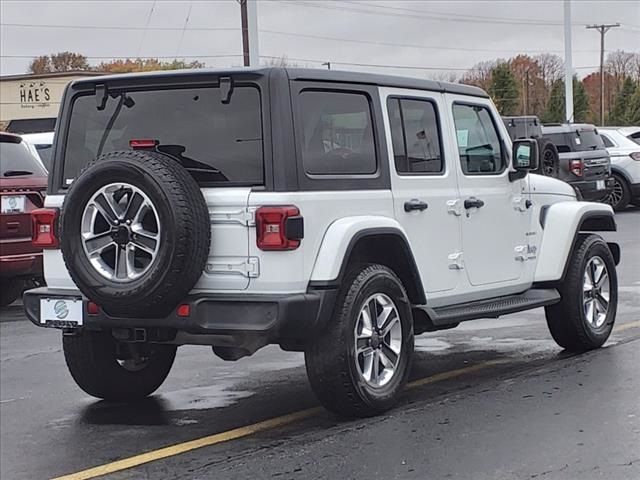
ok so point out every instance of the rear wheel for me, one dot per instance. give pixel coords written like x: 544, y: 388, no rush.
x: 358, y: 366
x: 620, y: 195
x: 10, y: 290
x: 584, y: 318
x: 112, y: 370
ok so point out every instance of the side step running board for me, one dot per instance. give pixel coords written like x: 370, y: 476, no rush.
x: 491, y: 308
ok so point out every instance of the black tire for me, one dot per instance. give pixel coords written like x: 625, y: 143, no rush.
x: 331, y: 358
x: 183, y: 218
x: 549, y: 158
x: 93, y: 359
x: 620, y: 197
x: 567, y: 320
x: 10, y: 290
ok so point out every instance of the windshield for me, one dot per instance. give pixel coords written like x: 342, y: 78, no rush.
x: 16, y: 161
x: 216, y: 142
x: 635, y: 137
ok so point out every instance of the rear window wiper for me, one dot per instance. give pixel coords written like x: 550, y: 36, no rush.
x: 16, y: 173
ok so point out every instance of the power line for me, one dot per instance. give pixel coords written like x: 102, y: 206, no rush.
x: 119, y: 27
x: 408, y: 45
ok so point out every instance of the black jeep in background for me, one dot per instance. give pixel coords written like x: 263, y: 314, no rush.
x: 583, y: 159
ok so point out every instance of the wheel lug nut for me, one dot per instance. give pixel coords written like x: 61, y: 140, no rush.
x: 128, y: 222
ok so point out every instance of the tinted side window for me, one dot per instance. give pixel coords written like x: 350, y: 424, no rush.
x: 416, y: 136
x: 479, y: 145
x: 337, y: 133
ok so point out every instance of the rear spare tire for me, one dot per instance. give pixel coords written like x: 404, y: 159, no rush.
x: 549, y: 158
x: 135, y: 233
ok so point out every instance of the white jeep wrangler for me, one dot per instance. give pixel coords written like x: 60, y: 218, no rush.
x: 334, y: 213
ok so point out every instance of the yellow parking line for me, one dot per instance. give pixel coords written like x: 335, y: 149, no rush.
x: 236, y: 433
x: 179, y: 448
x: 626, y: 326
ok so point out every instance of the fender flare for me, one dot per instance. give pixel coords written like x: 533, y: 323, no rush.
x: 341, y: 239
x: 561, y: 224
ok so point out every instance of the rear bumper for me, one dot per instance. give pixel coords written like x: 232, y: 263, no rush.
x: 635, y: 190
x: 240, y: 321
x: 28, y: 264
x: 588, y: 190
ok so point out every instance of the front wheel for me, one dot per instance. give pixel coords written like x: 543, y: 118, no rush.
x: 584, y: 318
x: 117, y: 371
x: 359, y: 364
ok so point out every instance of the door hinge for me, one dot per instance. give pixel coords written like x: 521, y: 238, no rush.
x: 525, y: 252
x: 243, y: 216
x: 456, y: 261
x: 521, y: 204
x: 455, y: 207
x: 248, y: 268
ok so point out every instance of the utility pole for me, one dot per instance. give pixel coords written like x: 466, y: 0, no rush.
x: 249, y: 17
x: 603, y: 29
x: 568, y: 66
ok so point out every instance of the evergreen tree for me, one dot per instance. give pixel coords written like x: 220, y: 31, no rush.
x: 633, y: 109
x: 503, y: 88
x: 555, y: 108
x: 619, y: 112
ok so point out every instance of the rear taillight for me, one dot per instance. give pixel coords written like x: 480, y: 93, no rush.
x: 279, y: 228
x: 577, y: 167
x: 43, y: 227
x: 635, y: 156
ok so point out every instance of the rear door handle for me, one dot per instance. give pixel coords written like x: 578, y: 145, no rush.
x: 415, y: 204
x: 473, y: 202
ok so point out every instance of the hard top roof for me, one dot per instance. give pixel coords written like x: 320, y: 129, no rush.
x: 567, y: 127
x: 309, y: 74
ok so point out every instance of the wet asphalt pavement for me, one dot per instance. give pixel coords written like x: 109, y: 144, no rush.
x: 500, y: 401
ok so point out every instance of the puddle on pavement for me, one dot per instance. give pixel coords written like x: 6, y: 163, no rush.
x: 203, y: 398
x: 432, y: 345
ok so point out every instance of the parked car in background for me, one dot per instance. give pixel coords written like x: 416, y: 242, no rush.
x: 529, y: 126
x: 623, y: 145
x: 583, y: 159
x: 23, y: 182
x: 41, y: 145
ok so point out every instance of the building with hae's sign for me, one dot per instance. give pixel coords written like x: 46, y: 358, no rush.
x: 29, y: 103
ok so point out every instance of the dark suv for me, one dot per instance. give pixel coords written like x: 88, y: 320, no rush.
x: 23, y: 182
x: 583, y: 159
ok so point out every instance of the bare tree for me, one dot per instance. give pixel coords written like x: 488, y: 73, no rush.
x: 480, y: 74
x: 282, y: 61
x: 551, y: 68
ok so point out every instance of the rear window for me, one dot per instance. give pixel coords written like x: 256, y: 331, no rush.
x: 45, y: 154
x: 218, y: 143
x: 17, y: 161
x: 579, y: 141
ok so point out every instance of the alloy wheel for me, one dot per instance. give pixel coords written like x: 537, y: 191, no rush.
x: 378, y: 340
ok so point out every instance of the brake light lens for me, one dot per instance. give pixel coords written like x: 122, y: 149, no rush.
x: 577, y: 167
x: 279, y: 228
x: 635, y: 156
x: 43, y: 227
x: 143, y: 143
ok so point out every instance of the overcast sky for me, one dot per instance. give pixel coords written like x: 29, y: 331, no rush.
x: 435, y: 34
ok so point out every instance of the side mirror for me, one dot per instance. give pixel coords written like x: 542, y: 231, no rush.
x: 525, y: 156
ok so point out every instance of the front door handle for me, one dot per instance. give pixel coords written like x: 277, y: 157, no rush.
x: 473, y: 202
x: 415, y: 204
